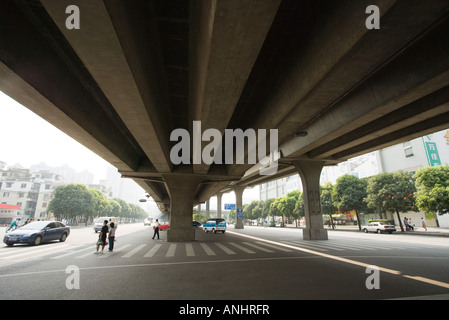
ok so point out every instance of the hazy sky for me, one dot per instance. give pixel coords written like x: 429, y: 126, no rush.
x: 27, y: 139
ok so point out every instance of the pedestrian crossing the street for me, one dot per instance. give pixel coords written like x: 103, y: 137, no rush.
x: 228, y: 248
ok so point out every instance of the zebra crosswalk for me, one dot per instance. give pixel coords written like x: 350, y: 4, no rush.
x: 169, y: 250
x: 229, y: 248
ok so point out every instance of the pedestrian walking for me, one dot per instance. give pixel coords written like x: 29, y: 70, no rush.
x: 102, y: 237
x: 156, y: 229
x: 424, y: 223
x: 111, y: 237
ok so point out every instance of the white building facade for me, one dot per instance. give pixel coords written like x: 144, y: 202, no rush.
x: 429, y: 150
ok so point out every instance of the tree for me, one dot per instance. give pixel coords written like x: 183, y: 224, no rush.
x: 125, y: 211
x: 71, y: 201
x: 251, y: 211
x: 100, y: 204
x: 376, y: 194
x: 297, y: 200
x: 114, y: 208
x: 200, y: 217
x: 399, y: 194
x: 257, y: 210
x: 266, y: 210
x: 432, y: 184
x: 327, y: 205
x: 299, y: 207
x: 136, y: 212
x: 348, y: 194
x: 274, y: 209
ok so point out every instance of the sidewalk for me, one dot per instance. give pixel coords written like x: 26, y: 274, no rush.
x: 431, y: 231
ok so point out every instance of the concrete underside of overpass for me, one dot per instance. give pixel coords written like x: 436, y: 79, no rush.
x: 137, y: 70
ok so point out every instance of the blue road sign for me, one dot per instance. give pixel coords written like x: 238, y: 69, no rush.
x: 229, y: 206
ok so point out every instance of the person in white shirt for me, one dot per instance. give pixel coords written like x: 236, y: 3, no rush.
x: 111, y: 238
x: 156, y: 229
x: 424, y: 223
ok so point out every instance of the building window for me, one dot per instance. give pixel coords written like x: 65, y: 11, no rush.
x: 408, y: 150
x: 23, y: 185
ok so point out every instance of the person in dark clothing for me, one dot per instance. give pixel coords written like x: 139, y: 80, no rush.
x: 102, y: 237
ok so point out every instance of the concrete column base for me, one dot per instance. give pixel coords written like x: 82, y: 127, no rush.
x: 182, y: 189
x: 181, y: 235
x: 238, y: 190
x: 310, y: 172
x: 239, y: 225
x: 219, y: 196
x: 314, y: 234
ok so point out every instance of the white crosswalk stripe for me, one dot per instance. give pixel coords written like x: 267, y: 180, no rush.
x: 224, y: 248
x: 134, y: 251
x: 207, y: 249
x: 189, y: 250
x: 302, y: 245
x: 258, y: 247
x: 153, y: 250
x: 241, y: 248
x: 274, y: 247
x: 171, y: 250
x: 110, y: 254
x: 71, y: 253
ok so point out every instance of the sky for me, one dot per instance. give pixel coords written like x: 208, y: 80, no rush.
x: 27, y: 139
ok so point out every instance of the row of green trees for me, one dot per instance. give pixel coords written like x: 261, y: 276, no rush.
x: 291, y: 207
x: 77, y: 202
x: 427, y: 190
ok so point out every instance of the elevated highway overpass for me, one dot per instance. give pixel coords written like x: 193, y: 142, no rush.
x: 314, y: 71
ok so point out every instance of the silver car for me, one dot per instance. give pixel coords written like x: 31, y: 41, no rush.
x: 379, y: 227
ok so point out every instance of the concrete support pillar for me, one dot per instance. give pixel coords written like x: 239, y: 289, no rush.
x: 219, y: 195
x: 208, y: 208
x: 310, y: 172
x: 238, y: 190
x: 182, y: 191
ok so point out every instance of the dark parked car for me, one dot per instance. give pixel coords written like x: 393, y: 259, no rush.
x: 38, y: 232
x: 195, y: 224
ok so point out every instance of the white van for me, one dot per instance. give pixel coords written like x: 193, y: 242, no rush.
x: 98, y: 224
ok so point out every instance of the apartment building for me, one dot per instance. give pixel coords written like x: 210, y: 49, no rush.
x: 31, y: 192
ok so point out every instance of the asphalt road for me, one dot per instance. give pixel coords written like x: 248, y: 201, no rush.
x: 251, y: 264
